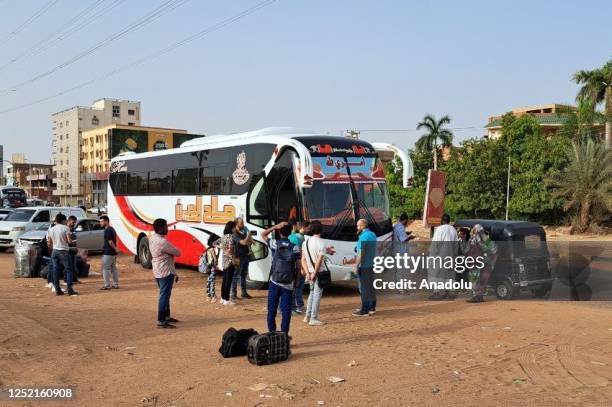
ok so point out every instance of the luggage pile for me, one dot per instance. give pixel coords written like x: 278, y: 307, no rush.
x: 27, y: 260
x: 260, y: 349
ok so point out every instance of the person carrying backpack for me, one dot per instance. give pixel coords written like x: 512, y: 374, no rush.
x: 208, y: 264
x: 282, y: 275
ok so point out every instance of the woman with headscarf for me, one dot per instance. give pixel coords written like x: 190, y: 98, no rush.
x: 481, y: 245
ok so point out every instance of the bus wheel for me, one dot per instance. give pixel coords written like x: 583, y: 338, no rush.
x: 144, y: 253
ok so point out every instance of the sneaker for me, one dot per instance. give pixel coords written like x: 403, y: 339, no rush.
x: 165, y: 325
x: 173, y: 320
x: 246, y: 296
x: 49, y: 285
x: 306, y: 318
x: 60, y: 292
x: 372, y: 312
x: 295, y: 312
x: 116, y: 286
x: 72, y: 293
x: 316, y: 322
x: 361, y: 314
x: 52, y: 288
x: 230, y: 302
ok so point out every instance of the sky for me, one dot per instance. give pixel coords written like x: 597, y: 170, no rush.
x: 319, y: 64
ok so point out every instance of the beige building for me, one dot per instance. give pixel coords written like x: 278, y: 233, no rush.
x: 549, y: 116
x: 101, y: 144
x: 68, y: 126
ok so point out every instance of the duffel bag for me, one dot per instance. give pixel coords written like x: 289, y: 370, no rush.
x: 234, y: 342
x: 268, y: 348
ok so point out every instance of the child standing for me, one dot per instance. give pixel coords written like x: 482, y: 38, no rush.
x: 211, y: 260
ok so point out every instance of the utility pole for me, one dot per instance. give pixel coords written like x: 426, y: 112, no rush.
x: 508, y: 189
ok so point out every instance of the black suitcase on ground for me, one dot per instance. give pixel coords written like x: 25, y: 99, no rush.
x: 268, y: 348
x: 235, y: 342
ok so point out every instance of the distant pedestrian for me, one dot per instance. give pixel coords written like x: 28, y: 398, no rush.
x: 226, y: 244
x: 59, y: 243
x: 364, y: 268
x: 242, y: 250
x: 314, y: 253
x: 481, y: 245
x: 282, y: 275
x: 163, y: 254
x: 401, y: 237
x: 109, y: 255
x: 71, y: 223
x: 50, y: 265
x: 444, y: 245
x: 297, y: 237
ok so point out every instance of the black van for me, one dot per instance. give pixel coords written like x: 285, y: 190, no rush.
x: 523, y: 260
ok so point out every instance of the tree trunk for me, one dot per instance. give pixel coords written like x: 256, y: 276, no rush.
x: 585, y: 210
x: 435, y: 155
x: 608, y: 112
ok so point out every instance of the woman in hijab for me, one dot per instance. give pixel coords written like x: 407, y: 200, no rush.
x: 481, y: 245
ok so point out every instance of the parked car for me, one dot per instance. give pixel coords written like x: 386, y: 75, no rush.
x: 22, y: 220
x: 523, y: 260
x: 4, y: 212
x: 87, y: 233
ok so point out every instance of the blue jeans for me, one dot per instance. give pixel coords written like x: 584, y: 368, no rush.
x: 165, y: 290
x: 62, y: 258
x: 276, y: 293
x: 240, y: 275
x: 366, y: 290
x: 299, y: 292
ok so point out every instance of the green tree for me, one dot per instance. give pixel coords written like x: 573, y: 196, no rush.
x: 586, y: 183
x: 435, y: 132
x: 578, y: 124
x: 596, y: 88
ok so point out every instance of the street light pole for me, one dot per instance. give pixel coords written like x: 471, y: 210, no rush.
x: 508, y: 189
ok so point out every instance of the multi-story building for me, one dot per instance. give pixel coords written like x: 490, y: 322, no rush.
x: 551, y: 118
x: 68, y: 126
x: 101, y: 144
x: 35, y: 179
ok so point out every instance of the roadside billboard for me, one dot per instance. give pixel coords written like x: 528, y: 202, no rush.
x: 140, y: 141
x: 434, y: 198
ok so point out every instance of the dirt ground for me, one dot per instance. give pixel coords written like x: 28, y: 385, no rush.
x: 411, y: 352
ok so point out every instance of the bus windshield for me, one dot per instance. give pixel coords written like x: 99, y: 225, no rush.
x: 344, y: 190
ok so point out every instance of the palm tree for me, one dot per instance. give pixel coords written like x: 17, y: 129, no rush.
x: 596, y: 87
x: 435, y: 131
x: 578, y: 123
x: 586, y: 183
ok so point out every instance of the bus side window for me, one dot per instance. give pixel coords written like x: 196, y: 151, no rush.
x: 159, y: 182
x: 185, y: 181
x: 118, y: 182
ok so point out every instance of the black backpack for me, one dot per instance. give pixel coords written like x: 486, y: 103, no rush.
x: 235, y: 342
x: 269, y: 348
x: 283, y: 263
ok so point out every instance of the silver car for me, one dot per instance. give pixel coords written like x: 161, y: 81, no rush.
x: 89, y: 235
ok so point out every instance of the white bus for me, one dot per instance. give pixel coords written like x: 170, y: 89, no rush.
x: 264, y: 176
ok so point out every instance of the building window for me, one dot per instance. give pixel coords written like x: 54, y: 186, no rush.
x: 61, y: 149
x: 95, y: 121
x: 61, y: 137
x: 67, y: 123
x: 61, y: 124
x: 130, y: 123
x: 66, y: 149
x: 131, y: 112
x: 116, y: 111
x: 67, y: 136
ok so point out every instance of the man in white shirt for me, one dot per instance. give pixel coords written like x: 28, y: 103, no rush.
x: 59, y: 240
x: 444, y: 244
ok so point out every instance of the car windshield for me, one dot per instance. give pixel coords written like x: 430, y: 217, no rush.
x: 20, y: 215
x: 345, y: 189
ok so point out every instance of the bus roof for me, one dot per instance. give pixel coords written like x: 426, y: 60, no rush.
x: 271, y: 135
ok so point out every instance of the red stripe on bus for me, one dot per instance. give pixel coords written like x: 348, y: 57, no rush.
x: 130, y: 216
x: 190, y: 247
x: 122, y: 247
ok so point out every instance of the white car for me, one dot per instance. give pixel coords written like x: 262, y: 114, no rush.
x: 22, y: 220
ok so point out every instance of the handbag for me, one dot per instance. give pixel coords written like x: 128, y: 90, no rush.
x: 323, y: 276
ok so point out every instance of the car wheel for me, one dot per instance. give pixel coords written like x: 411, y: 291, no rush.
x: 542, y: 291
x: 144, y: 253
x: 504, y: 290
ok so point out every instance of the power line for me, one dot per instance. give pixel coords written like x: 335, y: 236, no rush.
x: 198, y: 35
x: 29, y: 21
x: 165, y: 8
x: 70, y: 27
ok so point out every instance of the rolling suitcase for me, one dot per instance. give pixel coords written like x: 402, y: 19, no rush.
x: 268, y: 348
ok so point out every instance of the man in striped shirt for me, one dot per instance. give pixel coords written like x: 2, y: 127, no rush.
x: 163, y: 254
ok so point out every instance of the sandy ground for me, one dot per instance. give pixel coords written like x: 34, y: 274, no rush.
x: 410, y: 353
